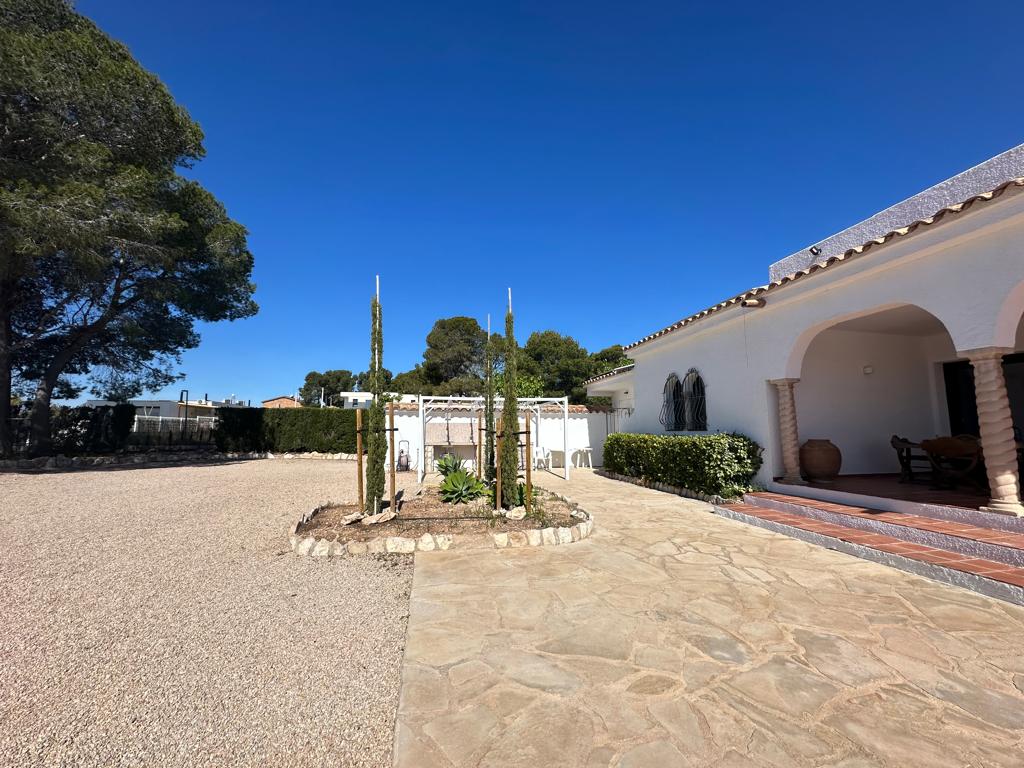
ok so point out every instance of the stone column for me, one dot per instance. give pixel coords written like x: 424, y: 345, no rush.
x: 996, y: 426
x: 788, y: 432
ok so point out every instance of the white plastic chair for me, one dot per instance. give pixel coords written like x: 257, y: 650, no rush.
x: 584, y: 458
x: 542, y: 459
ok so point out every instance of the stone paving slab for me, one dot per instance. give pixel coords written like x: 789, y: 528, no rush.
x: 674, y: 637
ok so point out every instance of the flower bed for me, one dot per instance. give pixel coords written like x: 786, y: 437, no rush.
x: 425, y: 522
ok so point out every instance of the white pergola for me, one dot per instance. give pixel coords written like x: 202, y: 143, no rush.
x: 434, y: 405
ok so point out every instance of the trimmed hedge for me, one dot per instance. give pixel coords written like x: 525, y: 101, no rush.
x: 286, y: 430
x: 719, y: 464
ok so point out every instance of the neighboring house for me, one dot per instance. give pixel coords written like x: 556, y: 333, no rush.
x: 363, y: 399
x: 909, y: 324
x: 282, y: 401
x: 175, y: 408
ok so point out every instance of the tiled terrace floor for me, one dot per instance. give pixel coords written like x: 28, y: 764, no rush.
x: 918, y: 492
x: 673, y: 637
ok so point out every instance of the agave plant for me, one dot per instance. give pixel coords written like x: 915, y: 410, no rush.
x: 449, y: 463
x: 461, y: 487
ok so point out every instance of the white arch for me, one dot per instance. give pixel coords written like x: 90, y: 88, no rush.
x: 1004, y: 332
x: 795, y: 360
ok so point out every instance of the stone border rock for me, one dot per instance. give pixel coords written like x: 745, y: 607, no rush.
x: 156, y: 457
x: 664, y: 487
x: 429, y: 542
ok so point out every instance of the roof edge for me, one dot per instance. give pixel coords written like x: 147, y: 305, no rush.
x: 608, y: 374
x: 1013, y: 185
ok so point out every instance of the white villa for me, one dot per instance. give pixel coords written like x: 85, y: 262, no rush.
x: 907, y: 324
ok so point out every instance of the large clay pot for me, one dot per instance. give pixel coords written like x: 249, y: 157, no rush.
x: 820, y: 461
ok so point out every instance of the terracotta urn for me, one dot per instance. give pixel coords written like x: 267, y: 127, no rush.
x: 820, y: 461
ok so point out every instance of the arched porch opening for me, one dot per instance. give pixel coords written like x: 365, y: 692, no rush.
x: 866, y: 378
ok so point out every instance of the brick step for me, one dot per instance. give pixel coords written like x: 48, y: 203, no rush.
x: 989, y: 577
x: 972, y: 541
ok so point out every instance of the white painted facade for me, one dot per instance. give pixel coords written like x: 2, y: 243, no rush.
x: 866, y: 337
x: 363, y: 399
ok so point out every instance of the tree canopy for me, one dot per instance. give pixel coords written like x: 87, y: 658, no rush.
x: 550, y: 364
x: 559, y: 361
x: 455, y: 348
x: 330, y: 383
x: 108, y: 257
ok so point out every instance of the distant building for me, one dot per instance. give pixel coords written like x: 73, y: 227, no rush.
x: 175, y: 408
x: 363, y: 399
x: 282, y: 401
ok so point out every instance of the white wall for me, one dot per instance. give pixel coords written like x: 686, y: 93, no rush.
x: 586, y: 430
x: 860, y: 412
x: 408, y: 425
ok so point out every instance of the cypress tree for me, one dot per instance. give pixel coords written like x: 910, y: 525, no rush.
x: 376, y: 437
x: 510, y: 419
x: 489, y: 471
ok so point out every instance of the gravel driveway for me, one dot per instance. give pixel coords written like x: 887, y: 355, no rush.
x: 156, y: 617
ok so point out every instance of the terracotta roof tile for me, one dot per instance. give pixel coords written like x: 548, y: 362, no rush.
x: 608, y: 374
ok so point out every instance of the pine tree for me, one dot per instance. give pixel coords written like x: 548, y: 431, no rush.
x: 510, y: 418
x: 376, y: 437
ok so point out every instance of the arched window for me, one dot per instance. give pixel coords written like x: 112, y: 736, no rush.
x: 696, y: 403
x: 684, y: 408
x: 673, y: 408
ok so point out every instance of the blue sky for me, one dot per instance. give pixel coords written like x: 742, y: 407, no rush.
x: 620, y: 165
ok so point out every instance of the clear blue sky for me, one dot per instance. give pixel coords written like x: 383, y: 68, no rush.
x: 620, y: 165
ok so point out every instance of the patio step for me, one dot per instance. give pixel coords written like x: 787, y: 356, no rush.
x: 989, y: 577
x: 971, y: 541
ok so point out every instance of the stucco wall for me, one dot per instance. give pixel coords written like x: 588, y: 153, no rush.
x: 859, y: 412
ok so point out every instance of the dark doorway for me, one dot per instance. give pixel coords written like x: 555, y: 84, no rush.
x: 963, y: 407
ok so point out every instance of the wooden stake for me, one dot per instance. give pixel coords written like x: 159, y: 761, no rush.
x: 391, y: 438
x: 479, y: 444
x: 359, y: 455
x: 529, y: 466
x: 497, y: 475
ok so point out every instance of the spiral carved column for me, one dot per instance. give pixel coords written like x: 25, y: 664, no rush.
x: 788, y: 432
x: 996, y: 425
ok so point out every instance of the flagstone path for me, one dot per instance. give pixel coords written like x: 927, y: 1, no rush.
x: 673, y: 637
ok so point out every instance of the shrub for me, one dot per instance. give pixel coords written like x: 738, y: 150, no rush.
x: 460, y: 487
x: 450, y: 463
x: 719, y: 464
x: 286, y: 430
x: 91, y: 430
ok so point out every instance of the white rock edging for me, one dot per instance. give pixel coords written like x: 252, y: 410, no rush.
x: 430, y: 542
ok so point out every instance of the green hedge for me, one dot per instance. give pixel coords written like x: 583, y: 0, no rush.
x: 719, y: 464
x: 286, y: 430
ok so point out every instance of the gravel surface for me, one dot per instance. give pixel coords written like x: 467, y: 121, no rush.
x: 157, y: 617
